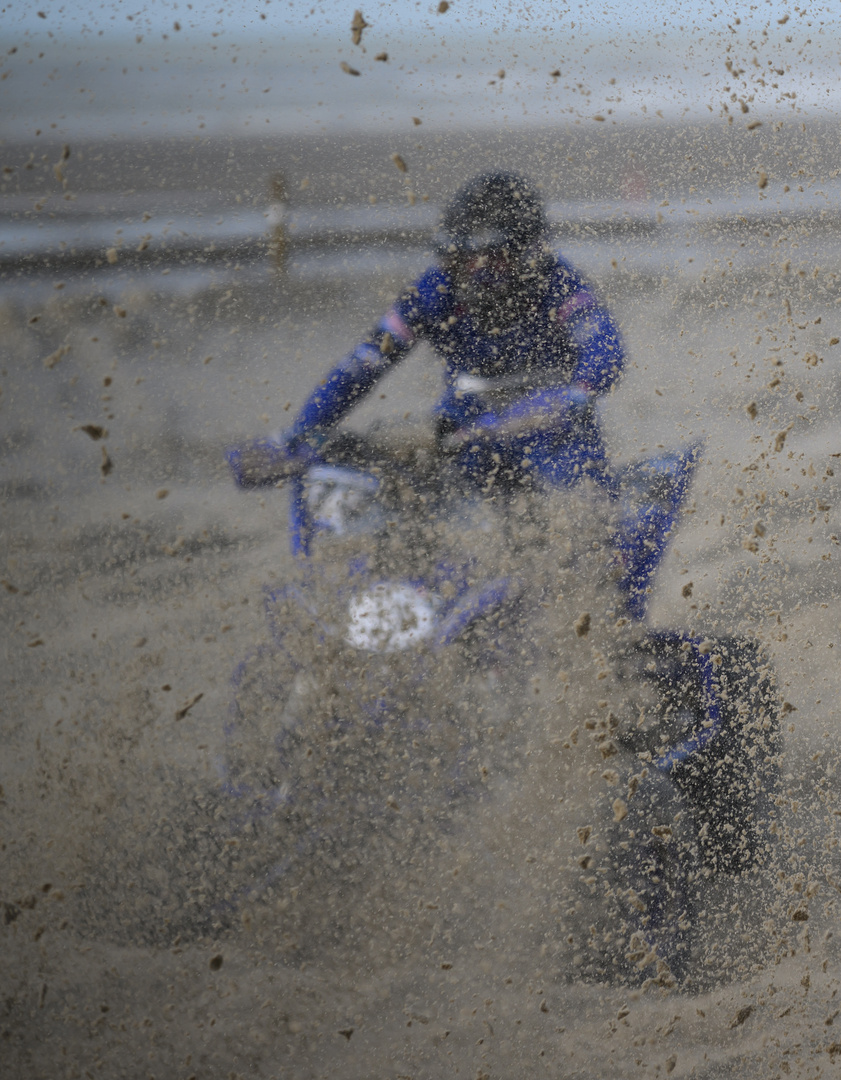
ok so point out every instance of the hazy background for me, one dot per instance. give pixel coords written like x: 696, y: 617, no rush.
x: 689, y: 155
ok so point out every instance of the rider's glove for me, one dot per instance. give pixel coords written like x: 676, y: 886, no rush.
x: 271, y: 461
x: 258, y: 463
x: 482, y: 428
x: 557, y: 409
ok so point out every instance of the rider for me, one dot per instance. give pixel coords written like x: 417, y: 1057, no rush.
x: 527, y: 347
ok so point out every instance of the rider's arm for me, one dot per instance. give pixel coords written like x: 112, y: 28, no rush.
x: 351, y: 379
x: 267, y: 461
x: 555, y: 408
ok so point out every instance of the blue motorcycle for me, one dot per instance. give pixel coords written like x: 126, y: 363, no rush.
x: 401, y: 663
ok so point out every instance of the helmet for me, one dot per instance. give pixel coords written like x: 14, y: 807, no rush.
x: 495, y: 210
x: 492, y: 243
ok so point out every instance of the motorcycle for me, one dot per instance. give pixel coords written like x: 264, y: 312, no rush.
x: 436, y: 633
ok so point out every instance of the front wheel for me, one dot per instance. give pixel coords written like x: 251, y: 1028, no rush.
x: 348, y: 738
x: 339, y: 767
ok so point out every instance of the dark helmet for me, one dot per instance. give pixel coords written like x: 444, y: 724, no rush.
x: 492, y: 243
x: 497, y: 210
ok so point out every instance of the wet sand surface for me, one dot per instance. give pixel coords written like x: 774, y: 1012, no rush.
x: 132, y: 585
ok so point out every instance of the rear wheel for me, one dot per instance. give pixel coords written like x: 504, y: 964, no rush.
x: 634, y: 912
x: 705, y: 719
x: 711, y: 722
x: 731, y: 781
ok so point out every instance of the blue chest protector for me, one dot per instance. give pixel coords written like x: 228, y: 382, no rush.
x: 528, y: 388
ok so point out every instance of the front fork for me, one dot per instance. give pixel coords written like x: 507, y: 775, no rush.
x: 654, y: 493
x: 640, y: 544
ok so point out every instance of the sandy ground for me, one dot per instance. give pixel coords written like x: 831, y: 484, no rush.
x: 133, y: 583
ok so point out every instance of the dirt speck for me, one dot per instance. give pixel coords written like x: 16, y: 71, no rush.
x: 741, y: 1016
x: 582, y: 625
x: 780, y: 439
x: 10, y: 912
x: 357, y: 25
x: 55, y: 357
x: 95, y: 431
x: 185, y: 708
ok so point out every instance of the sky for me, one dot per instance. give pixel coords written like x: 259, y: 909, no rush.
x: 220, y: 67
x: 107, y: 18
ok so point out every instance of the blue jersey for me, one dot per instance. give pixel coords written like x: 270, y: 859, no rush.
x: 549, y: 366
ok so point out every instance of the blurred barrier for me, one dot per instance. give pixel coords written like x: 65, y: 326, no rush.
x: 193, y: 228
x: 276, y: 217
